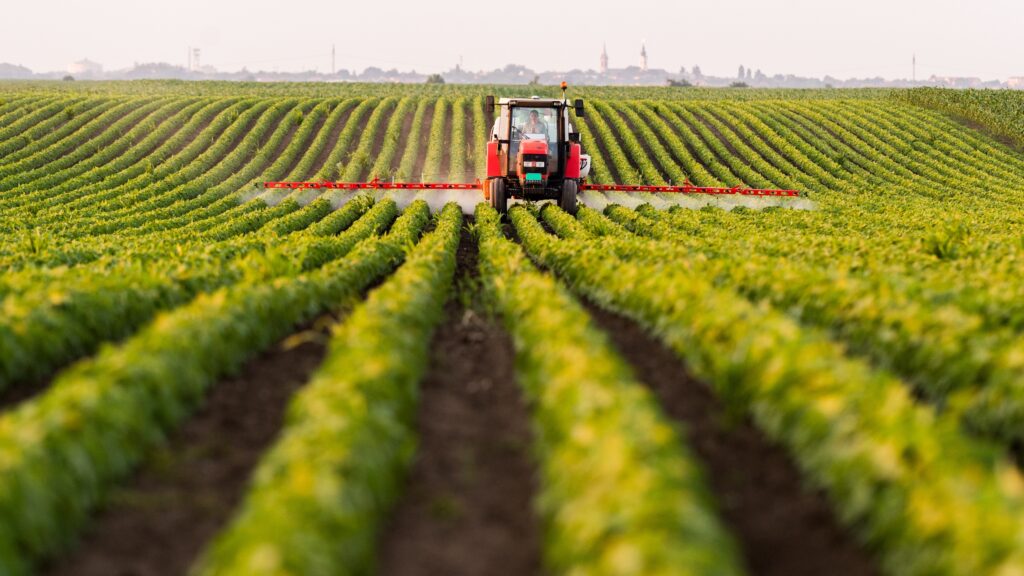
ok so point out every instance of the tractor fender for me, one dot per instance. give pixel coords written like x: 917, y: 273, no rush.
x: 573, y: 164
x: 493, y: 160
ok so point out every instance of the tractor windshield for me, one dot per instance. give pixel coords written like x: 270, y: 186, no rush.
x: 535, y: 123
x: 525, y: 122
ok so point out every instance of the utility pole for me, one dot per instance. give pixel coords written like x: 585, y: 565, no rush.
x: 188, y: 58
x: 332, y: 60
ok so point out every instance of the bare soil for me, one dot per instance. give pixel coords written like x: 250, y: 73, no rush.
x: 17, y: 392
x: 159, y: 523
x: 146, y: 153
x: 784, y: 528
x: 446, y: 150
x: 721, y: 117
x: 979, y: 127
x: 291, y: 129
x: 249, y: 125
x: 676, y: 124
x: 331, y: 139
x: 378, y: 141
x: 309, y: 141
x: 602, y: 150
x: 472, y: 169
x: 421, y: 153
x: 644, y: 143
x: 663, y: 139
x: 466, y: 508
x: 406, y: 129
x: 197, y: 133
x: 822, y: 136
x: 699, y: 115
x: 170, y: 156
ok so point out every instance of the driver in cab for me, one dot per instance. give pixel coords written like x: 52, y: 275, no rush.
x: 534, y: 125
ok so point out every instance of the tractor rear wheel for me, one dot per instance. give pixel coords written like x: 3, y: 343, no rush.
x: 568, y: 200
x: 498, y: 199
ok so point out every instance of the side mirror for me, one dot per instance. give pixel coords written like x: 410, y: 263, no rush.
x: 489, y: 101
x: 578, y: 105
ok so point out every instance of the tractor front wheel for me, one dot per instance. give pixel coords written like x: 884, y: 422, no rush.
x: 498, y: 199
x: 568, y: 200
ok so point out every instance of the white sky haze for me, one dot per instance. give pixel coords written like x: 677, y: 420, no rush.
x: 863, y: 38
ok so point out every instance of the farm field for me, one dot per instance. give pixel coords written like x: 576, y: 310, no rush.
x: 201, y: 376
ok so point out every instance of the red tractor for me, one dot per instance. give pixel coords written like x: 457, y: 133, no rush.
x: 534, y: 152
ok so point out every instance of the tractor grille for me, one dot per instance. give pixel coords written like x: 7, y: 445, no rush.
x: 535, y: 161
x: 533, y: 170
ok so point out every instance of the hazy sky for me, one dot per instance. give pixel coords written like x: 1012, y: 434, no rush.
x: 853, y: 38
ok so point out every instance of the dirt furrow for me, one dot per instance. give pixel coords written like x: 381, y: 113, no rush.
x: 331, y: 140
x: 602, y: 152
x: 783, y: 527
x: 378, y: 142
x: 446, y: 150
x: 472, y: 170
x: 644, y: 143
x: 421, y: 156
x: 699, y: 115
x: 308, y: 143
x: 467, y: 505
x: 403, y: 141
x: 292, y: 130
x: 676, y: 125
x: 17, y: 392
x: 159, y: 522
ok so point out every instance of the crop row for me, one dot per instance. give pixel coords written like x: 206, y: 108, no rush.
x: 925, y: 496
x: 320, y: 495
x: 44, y: 329
x: 593, y: 419
x: 96, y: 421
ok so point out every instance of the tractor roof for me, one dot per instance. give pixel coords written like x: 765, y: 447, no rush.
x: 529, y: 100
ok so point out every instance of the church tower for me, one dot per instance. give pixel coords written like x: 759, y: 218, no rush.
x: 643, y: 56
x: 604, y: 59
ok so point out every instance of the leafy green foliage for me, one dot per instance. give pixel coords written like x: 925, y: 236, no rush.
x: 928, y: 498
x: 1000, y: 111
x: 62, y: 450
x: 321, y: 494
x: 620, y: 495
x: 877, y: 336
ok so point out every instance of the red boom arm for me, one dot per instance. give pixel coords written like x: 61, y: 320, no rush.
x: 376, y: 184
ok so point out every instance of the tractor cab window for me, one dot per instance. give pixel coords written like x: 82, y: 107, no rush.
x: 535, y: 123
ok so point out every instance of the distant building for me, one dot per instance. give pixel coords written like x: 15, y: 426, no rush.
x: 604, y: 59
x: 956, y: 82
x: 1016, y: 83
x: 643, y: 56
x: 85, y: 69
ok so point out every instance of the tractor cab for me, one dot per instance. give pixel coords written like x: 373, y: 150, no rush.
x: 534, y: 152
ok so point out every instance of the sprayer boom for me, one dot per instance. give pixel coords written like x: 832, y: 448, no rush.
x: 377, y: 184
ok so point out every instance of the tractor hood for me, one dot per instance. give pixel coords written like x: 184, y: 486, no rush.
x: 532, y: 163
x: 533, y: 147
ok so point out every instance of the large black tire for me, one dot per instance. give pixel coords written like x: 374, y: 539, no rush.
x: 498, y: 199
x: 568, y: 200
